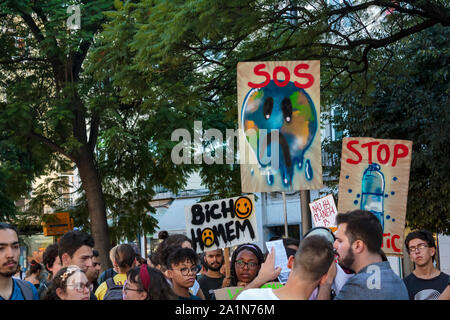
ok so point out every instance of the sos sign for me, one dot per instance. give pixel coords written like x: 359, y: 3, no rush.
x: 258, y: 70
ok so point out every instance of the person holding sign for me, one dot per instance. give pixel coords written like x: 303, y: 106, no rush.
x: 310, y: 267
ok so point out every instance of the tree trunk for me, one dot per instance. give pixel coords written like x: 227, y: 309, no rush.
x: 96, y: 204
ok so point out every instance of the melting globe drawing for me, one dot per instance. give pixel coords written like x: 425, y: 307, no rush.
x: 291, y: 111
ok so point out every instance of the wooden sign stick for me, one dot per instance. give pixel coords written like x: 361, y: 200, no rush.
x: 227, y: 261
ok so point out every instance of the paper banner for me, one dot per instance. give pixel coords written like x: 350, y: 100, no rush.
x: 323, y: 212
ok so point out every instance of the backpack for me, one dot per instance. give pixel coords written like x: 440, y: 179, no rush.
x: 110, y: 273
x: 26, y: 289
x: 114, y: 291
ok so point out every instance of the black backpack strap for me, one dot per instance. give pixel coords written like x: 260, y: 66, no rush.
x: 110, y: 283
x: 26, y: 289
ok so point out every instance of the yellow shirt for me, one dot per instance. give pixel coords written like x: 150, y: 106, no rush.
x: 119, y: 279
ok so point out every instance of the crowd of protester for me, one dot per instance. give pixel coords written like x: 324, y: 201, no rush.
x: 346, y: 265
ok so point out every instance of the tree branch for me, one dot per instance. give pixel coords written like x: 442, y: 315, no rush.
x: 33, y: 27
x: 37, y: 33
x: 50, y: 144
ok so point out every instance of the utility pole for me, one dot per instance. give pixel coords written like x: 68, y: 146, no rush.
x: 286, y: 233
x: 305, y: 199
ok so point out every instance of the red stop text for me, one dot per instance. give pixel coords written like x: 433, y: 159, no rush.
x: 382, y: 152
x: 259, y: 71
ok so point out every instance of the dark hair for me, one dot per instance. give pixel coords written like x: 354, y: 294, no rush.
x: 160, y: 254
x: 362, y: 225
x: 60, y: 281
x: 176, y: 239
x: 49, y: 256
x: 152, y: 258
x: 95, y: 253
x: 424, y: 235
x: 291, y: 242
x: 383, y: 255
x: 162, y: 235
x: 178, y: 255
x: 140, y: 259
x: 125, y: 256
x: 34, y: 267
x: 72, y: 241
x: 158, y: 289
x: 250, y: 247
x: 314, y: 257
x: 4, y: 226
x: 203, y: 261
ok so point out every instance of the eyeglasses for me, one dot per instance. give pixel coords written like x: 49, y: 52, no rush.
x: 250, y: 265
x: 127, y: 288
x: 185, y: 271
x: 79, y: 286
x: 419, y: 247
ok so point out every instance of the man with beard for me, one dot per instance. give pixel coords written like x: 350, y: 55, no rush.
x: 358, y: 244
x: 212, y: 280
x: 12, y: 289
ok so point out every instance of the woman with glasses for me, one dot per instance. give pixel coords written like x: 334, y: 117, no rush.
x: 147, y: 283
x: 70, y: 283
x: 245, y: 264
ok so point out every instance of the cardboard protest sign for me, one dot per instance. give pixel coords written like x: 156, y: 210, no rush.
x: 222, y: 223
x: 323, y: 212
x: 230, y: 293
x: 279, y: 121
x: 375, y: 177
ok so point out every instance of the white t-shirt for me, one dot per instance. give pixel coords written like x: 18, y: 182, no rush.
x: 257, y: 294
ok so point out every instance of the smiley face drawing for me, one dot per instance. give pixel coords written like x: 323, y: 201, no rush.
x: 208, y: 237
x: 243, y: 207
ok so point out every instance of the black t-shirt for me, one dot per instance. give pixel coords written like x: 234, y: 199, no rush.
x: 426, y: 289
x: 208, y: 285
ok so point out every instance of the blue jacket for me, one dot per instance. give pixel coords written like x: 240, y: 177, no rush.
x: 377, y: 281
